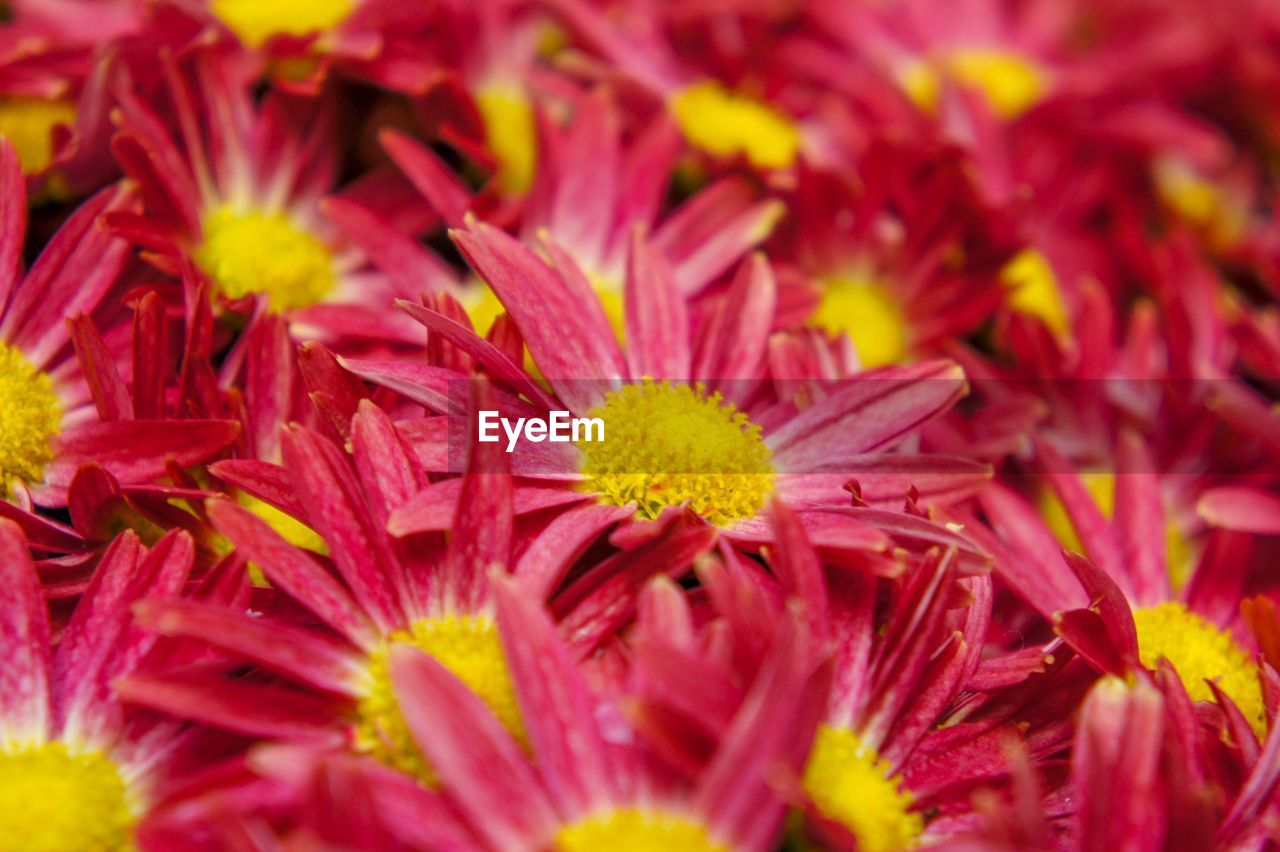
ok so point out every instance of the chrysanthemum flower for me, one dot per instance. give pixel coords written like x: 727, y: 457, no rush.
x: 298, y: 42
x: 238, y: 196
x: 371, y: 594
x: 593, y: 215
x: 1125, y: 613
x: 892, y: 261
x: 79, y: 770
x: 703, y: 430
x: 586, y: 784
x: 49, y: 425
x: 725, y: 120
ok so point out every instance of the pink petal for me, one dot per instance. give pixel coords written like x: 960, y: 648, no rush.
x: 1242, y: 508
x: 137, y: 450
x: 657, y: 319
x: 25, y: 712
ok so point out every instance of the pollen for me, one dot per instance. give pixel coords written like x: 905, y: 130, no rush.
x: 467, y: 645
x: 509, y: 126
x: 55, y: 800
x: 1033, y: 290
x: 636, y: 830
x: 268, y: 254
x: 1200, y: 651
x: 869, y: 314
x: 726, y: 124
x: 1199, y: 202
x: 30, y: 417
x: 256, y: 21
x: 1011, y: 83
x: 850, y: 784
x: 28, y: 122
x: 666, y: 445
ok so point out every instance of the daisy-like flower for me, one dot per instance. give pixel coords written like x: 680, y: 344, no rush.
x: 79, y: 770
x: 370, y: 593
x: 905, y: 652
x: 593, y: 216
x: 891, y: 261
x: 299, y: 42
x: 689, y: 416
x: 1125, y: 614
x: 237, y: 199
x: 49, y: 426
x: 586, y: 782
x: 749, y: 118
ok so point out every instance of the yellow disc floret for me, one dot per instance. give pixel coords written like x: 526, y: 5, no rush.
x: 726, y: 124
x: 27, y: 123
x: 467, y: 645
x: 1011, y: 83
x: 1034, y: 291
x: 30, y: 417
x: 667, y: 444
x: 868, y: 313
x: 256, y: 21
x: 55, y: 800
x: 1200, y: 651
x: 249, y: 253
x: 850, y: 784
x: 636, y: 830
x: 509, y: 126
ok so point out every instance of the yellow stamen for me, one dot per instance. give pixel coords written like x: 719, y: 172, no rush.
x: 868, y: 313
x: 30, y: 417
x: 1180, y: 555
x: 1011, y: 83
x: 1034, y: 291
x: 850, y: 784
x: 27, y: 123
x: 670, y: 444
x: 268, y: 254
x: 636, y: 830
x: 726, y: 124
x: 1200, y: 650
x: 54, y: 800
x: 1199, y: 201
x: 467, y: 645
x: 509, y: 125
x: 256, y: 21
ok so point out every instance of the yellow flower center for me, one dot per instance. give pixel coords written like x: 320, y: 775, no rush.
x: 869, y: 314
x: 265, y: 253
x: 1199, y: 202
x: 1179, y: 554
x: 56, y: 800
x: 27, y: 123
x: 725, y: 124
x: 1012, y: 84
x: 30, y: 416
x: 670, y: 444
x: 256, y: 21
x: 1034, y: 291
x: 636, y: 830
x: 1200, y: 650
x: 509, y: 126
x: 468, y: 646
x: 288, y: 527
x: 850, y: 784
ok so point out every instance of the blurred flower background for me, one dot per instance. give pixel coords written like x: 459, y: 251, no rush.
x: 938, y: 350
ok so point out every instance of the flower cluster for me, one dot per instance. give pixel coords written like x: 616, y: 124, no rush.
x: 935, y: 349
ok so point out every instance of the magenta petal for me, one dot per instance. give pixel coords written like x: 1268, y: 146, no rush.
x: 1241, y: 508
x: 135, y: 451
x: 266, y: 481
x: 734, y: 341
x: 25, y: 712
x: 110, y: 395
x: 480, y: 766
x: 567, y: 344
x: 336, y: 510
x: 13, y: 220
x: 387, y: 466
x: 543, y: 563
x: 870, y: 412
x: 657, y: 319
x: 554, y: 702
x: 296, y: 572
